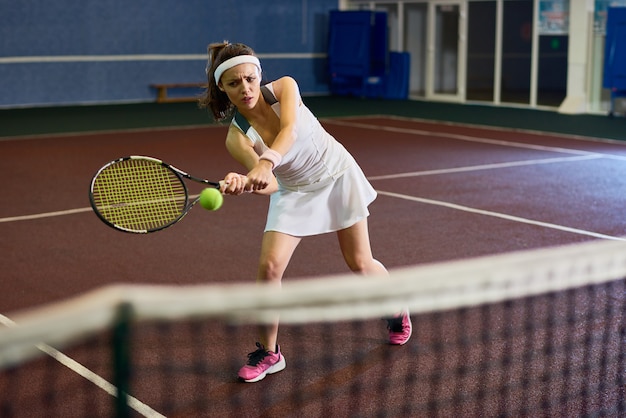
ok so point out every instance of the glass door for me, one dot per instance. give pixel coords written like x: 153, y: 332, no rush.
x: 446, y: 51
x: 415, y: 43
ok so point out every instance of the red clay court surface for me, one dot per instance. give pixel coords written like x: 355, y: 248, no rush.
x: 445, y: 192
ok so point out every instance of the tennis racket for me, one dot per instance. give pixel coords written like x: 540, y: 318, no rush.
x: 139, y: 194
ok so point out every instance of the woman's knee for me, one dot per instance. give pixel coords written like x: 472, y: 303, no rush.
x: 271, y: 268
x: 365, y: 265
x: 276, y: 251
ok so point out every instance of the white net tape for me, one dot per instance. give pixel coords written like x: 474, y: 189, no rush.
x: 433, y: 287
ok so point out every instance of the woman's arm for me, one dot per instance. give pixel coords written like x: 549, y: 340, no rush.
x: 241, y: 149
x: 288, y: 95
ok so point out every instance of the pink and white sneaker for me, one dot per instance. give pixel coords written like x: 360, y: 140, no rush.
x: 400, y: 328
x: 261, y: 363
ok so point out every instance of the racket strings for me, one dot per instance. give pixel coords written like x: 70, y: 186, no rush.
x: 139, y: 195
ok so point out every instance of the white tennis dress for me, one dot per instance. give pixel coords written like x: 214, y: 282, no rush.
x: 321, y: 188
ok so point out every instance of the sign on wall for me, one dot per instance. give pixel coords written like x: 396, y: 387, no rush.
x: 601, y: 6
x: 553, y: 17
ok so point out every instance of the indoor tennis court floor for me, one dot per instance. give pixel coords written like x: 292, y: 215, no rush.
x: 446, y: 192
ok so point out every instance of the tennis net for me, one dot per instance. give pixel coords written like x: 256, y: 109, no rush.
x: 535, y: 333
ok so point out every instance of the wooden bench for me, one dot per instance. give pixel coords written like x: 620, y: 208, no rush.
x: 162, y: 89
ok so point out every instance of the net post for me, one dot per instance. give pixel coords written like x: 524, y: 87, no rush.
x: 121, y: 358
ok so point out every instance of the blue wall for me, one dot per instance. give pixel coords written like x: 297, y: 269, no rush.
x: 70, y: 52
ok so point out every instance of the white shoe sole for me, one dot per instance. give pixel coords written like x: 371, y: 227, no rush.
x: 274, y: 369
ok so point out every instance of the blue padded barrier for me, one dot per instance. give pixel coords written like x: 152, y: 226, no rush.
x: 615, y: 54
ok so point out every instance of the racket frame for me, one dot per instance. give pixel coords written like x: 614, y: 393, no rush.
x: 180, y: 174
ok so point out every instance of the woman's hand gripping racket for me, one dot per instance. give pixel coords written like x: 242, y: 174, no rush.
x: 141, y: 194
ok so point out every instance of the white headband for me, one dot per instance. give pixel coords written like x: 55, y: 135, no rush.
x: 231, y: 62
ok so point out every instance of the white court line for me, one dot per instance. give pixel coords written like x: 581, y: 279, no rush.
x: 500, y: 215
x: 587, y: 156
x: 582, y: 155
x: 44, y: 215
x: 487, y: 167
x: 496, y: 128
x: 57, y: 213
x: 94, y: 378
x: 469, y: 138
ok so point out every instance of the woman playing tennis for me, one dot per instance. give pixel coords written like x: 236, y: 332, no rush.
x: 315, y: 185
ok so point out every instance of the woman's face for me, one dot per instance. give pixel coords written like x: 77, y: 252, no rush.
x: 242, y: 85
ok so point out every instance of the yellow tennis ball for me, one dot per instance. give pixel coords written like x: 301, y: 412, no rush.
x: 211, y: 199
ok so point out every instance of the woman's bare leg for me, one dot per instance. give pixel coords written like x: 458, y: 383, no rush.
x: 357, y: 251
x: 276, y: 251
